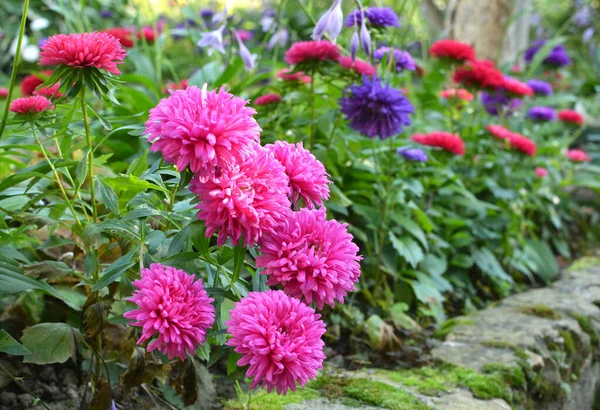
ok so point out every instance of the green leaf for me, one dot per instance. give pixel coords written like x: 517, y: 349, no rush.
x: 408, y: 249
x: 462, y: 261
x: 108, y: 196
x: 49, y: 343
x: 239, y: 253
x: 132, y: 184
x: 114, y: 271
x: 435, y: 265
x: 35, y: 171
x: 489, y: 265
x: 413, y: 228
x: 9, y: 345
x: 540, y: 254
x: 81, y: 171
x: 139, y: 165
x: 232, y: 362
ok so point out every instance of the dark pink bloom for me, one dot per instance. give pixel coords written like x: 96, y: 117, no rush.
x: 279, y: 337
x: 499, y: 131
x: 578, y: 155
x: 30, y: 105
x: 308, y: 177
x: 318, y: 50
x: 266, y: 99
x: 49, y: 92
x: 100, y: 50
x: 570, y: 116
x: 174, y: 306
x: 146, y: 33
x: 445, y: 140
x: 246, y: 199
x: 202, y: 129
x: 3, y: 92
x: 541, y: 172
x: 522, y: 143
x: 517, y: 87
x: 358, y: 66
x: 298, y: 76
x: 244, y: 35
x: 313, y: 258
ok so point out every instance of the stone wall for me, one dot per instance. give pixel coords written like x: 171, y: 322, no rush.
x: 538, y: 350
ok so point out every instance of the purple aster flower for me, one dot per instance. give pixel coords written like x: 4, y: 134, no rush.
x: 375, y: 109
x: 207, y: 14
x: 557, y: 56
x: 331, y: 22
x: 539, y: 113
x: 105, y: 13
x: 376, y: 16
x: 413, y: 154
x: 498, y: 102
x: 540, y: 87
x: 402, y: 59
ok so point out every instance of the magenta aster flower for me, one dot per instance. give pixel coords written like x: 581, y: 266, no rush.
x: 202, y: 129
x: 279, y: 337
x: 100, y: 50
x: 30, y: 105
x: 308, y: 178
x: 245, y: 199
x: 313, y: 258
x: 173, y: 305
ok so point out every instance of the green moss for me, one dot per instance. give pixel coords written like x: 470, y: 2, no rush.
x: 448, y: 326
x: 498, y: 344
x: 584, y: 263
x: 433, y: 381
x: 513, y: 375
x: 540, y: 310
x: 261, y: 400
x: 587, y: 326
x: 568, y: 342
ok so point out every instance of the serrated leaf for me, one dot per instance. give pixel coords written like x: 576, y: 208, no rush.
x: 49, y: 343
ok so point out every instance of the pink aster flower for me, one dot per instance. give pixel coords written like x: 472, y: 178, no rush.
x: 578, y: 155
x: 308, y: 178
x: 100, y: 50
x: 202, y: 129
x: 174, y: 306
x: 358, y: 66
x: 297, y: 76
x: 313, y: 258
x: 267, y: 99
x: 245, y: 199
x: 30, y: 105
x: 279, y: 337
x: 541, y: 172
x: 49, y: 92
x: 3, y: 92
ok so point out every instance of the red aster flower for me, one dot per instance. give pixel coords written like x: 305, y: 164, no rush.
x: 320, y: 50
x: 100, y: 50
x: 182, y: 85
x: 570, y: 116
x: 30, y: 105
x: 522, y: 143
x: 359, y: 66
x: 3, y: 92
x: 459, y: 93
x: 481, y: 74
x: 454, y: 50
x: 267, y: 99
x: 298, y: 76
x: 147, y: 33
x: 122, y: 34
x: 517, y: 88
x: 445, y: 140
x: 49, y: 92
x: 578, y: 155
x: 499, y: 131
x: 31, y: 82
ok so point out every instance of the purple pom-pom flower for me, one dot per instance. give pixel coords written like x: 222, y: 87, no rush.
x: 539, y: 113
x: 499, y: 102
x: 375, y: 109
x: 402, y: 59
x: 557, y: 56
x: 376, y: 16
x: 412, y: 154
x: 540, y: 87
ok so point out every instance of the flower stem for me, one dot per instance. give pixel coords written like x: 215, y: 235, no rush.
x: 62, y: 189
x: 90, y: 153
x: 15, y: 67
x: 336, y: 123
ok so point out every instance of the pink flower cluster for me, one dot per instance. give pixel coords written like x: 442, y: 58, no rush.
x: 269, y: 196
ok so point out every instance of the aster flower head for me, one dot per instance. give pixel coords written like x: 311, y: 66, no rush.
x: 541, y: 172
x: 31, y: 82
x: 498, y: 102
x: 413, y: 154
x: 279, y: 337
x: 452, y: 50
x: 313, y: 259
x: 203, y: 129
x: 557, y: 57
x: 49, y: 92
x: 522, y: 143
x: 312, y: 52
x: 173, y: 306
x: 331, y: 22
x: 402, y: 59
x: 516, y: 88
x: 358, y: 66
x: 444, y: 140
x: 376, y: 17
x: 99, y: 50
x: 540, y: 87
x: 267, y: 99
x: 479, y: 74
x: 182, y: 85
x: 539, y: 113
x: 30, y: 107
x: 375, y: 109
x: 124, y: 35
x: 499, y: 131
x: 147, y: 33
x: 454, y: 93
x: 578, y: 155
x: 307, y: 175
x: 246, y: 199
x: 571, y: 117
x: 3, y: 92
x: 297, y: 76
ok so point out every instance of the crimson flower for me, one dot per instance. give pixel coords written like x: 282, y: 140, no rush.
x: 445, y: 140
x: 453, y: 50
x: 312, y: 51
